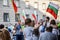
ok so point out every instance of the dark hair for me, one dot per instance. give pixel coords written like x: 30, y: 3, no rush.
x: 33, y: 23
x: 49, y: 28
x: 36, y: 32
x: 1, y: 26
x: 53, y: 22
x: 27, y: 21
x: 48, y: 18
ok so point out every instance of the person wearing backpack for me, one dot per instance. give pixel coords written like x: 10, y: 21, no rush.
x: 4, y: 34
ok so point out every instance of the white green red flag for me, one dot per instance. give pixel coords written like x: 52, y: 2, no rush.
x: 34, y: 15
x: 23, y: 14
x: 53, y: 9
x: 14, y: 6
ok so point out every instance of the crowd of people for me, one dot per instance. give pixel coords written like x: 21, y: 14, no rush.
x: 45, y: 29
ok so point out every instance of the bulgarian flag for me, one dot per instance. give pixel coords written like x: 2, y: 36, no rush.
x: 14, y: 6
x: 53, y: 9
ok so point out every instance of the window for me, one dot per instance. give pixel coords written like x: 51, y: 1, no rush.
x: 44, y: 6
x: 17, y: 17
x: 5, y: 3
x: 27, y: 5
x: 27, y: 15
x: 35, y: 5
x: 17, y: 3
x: 6, y: 17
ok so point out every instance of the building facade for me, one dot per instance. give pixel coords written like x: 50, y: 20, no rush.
x: 27, y: 7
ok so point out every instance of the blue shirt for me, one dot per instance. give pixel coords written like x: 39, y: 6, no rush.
x: 18, y: 27
x: 41, y: 29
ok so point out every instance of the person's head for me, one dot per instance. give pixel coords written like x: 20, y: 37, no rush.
x: 33, y: 23
x: 53, y: 22
x: 19, y: 21
x: 41, y: 22
x: 47, y: 18
x: 49, y: 29
x: 1, y: 26
x: 23, y: 23
x: 28, y: 22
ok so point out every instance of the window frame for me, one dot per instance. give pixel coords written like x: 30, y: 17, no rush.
x: 36, y: 3
x: 4, y: 15
x: 43, y: 6
x: 27, y: 4
x: 16, y: 18
x: 7, y: 4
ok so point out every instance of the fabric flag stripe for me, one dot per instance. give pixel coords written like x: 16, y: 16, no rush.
x: 23, y: 15
x: 14, y: 6
x: 53, y: 8
x: 54, y: 5
x: 34, y: 16
x: 52, y: 13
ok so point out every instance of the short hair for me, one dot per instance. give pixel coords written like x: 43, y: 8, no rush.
x: 1, y: 26
x: 48, y: 18
x: 28, y: 20
x: 53, y: 22
x: 49, y: 28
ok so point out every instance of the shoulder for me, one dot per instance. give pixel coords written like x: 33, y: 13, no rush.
x: 30, y: 27
x: 54, y: 36
x: 43, y: 34
x: 25, y: 29
x: 6, y: 31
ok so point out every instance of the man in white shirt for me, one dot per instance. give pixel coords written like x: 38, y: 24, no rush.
x: 47, y: 23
